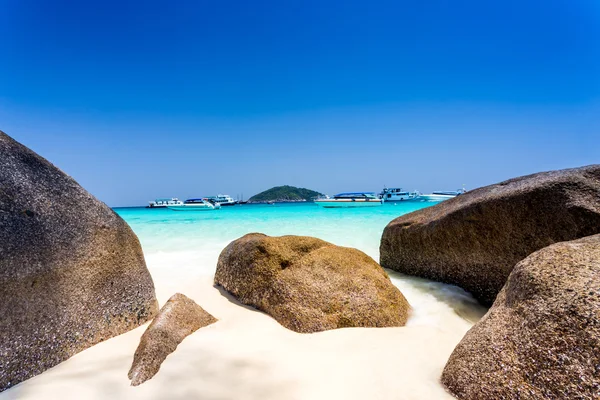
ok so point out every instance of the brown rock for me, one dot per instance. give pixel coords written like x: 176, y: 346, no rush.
x: 475, y: 239
x: 541, y: 338
x: 178, y: 318
x: 72, y: 272
x: 309, y: 285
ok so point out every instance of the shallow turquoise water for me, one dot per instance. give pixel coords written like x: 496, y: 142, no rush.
x: 180, y: 246
x: 163, y: 230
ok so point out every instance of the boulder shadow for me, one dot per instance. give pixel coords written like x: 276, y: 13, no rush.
x: 234, y: 300
x: 458, y: 299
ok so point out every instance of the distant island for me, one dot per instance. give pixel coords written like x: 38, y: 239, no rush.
x: 284, y: 194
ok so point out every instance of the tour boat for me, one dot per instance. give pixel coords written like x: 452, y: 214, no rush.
x: 195, y: 205
x: 357, y: 199
x: 222, y: 199
x: 398, y: 194
x: 442, y: 195
x: 164, y: 203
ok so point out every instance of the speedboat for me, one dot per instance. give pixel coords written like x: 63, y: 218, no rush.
x: 442, y: 195
x: 222, y: 199
x: 398, y: 194
x: 195, y: 205
x: 164, y: 203
x: 356, y: 199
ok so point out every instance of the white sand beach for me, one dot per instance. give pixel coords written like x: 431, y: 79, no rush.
x: 457, y: 141
x: 248, y: 355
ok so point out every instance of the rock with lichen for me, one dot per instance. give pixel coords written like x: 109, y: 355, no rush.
x: 309, y: 285
x: 541, y: 338
x: 178, y: 318
x: 475, y: 239
x: 72, y: 272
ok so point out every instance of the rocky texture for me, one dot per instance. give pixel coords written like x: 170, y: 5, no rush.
x: 72, y: 272
x: 178, y: 318
x: 309, y: 285
x: 475, y: 239
x: 541, y: 338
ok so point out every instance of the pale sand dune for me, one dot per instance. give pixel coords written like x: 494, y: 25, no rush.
x: 248, y: 355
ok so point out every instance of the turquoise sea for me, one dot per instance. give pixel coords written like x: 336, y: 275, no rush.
x: 185, y: 244
x: 164, y: 230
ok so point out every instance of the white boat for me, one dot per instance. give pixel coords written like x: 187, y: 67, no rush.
x: 164, y: 203
x: 356, y: 199
x: 222, y: 199
x: 442, y: 195
x: 398, y: 194
x: 195, y: 205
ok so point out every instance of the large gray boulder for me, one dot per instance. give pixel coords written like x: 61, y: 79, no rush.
x: 72, y: 272
x: 475, y: 239
x: 541, y: 338
x: 309, y: 285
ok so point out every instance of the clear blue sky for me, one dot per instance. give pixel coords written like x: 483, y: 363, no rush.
x: 190, y: 98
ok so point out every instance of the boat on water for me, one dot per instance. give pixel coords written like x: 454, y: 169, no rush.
x: 398, y: 194
x: 164, y: 203
x: 195, y: 205
x: 354, y: 199
x: 222, y: 199
x: 442, y: 195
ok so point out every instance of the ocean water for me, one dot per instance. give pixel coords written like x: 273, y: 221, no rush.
x: 180, y: 245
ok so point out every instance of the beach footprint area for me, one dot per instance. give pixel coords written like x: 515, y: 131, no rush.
x: 246, y: 354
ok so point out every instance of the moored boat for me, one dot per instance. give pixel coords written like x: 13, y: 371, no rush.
x: 164, y: 203
x: 398, y: 194
x: 222, y: 199
x: 354, y: 199
x: 195, y: 205
x: 442, y: 195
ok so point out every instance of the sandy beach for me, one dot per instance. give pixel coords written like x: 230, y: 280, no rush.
x: 147, y: 148
x: 248, y: 355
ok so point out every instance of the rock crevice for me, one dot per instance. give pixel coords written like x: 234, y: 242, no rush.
x: 541, y: 338
x: 475, y: 239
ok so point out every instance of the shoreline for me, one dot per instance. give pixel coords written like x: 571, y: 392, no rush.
x: 247, y: 354
x: 278, y: 201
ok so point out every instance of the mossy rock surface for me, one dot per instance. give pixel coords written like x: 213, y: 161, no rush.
x: 309, y: 285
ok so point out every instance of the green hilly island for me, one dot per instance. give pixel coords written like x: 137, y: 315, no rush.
x: 284, y: 193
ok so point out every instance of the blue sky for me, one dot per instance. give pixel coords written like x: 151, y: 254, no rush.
x: 151, y: 99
